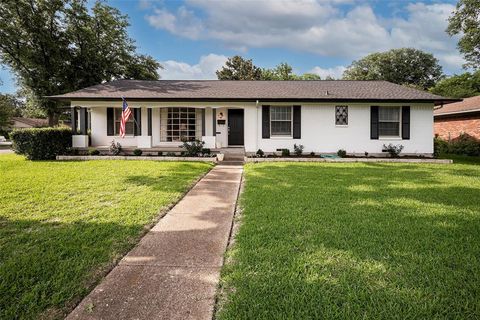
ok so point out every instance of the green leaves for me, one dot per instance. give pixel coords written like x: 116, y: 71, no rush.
x: 465, y: 21
x: 459, y: 86
x: 59, y: 46
x: 406, y: 66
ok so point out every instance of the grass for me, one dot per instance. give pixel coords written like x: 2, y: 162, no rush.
x: 356, y: 241
x: 64, y: 224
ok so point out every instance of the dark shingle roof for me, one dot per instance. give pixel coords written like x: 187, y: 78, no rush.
x: 320, y: 90
x: 467, y: 105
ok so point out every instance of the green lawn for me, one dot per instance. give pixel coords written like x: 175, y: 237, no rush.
x: 356, y: 241
x: 64, y: 224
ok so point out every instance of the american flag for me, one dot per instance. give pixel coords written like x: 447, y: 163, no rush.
x: 126, y: 113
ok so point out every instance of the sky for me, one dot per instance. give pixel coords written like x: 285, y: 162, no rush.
x: 193, y: 38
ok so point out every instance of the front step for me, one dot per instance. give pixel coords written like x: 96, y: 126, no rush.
x: 233, y: 156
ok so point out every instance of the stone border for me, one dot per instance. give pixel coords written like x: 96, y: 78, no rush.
x: 349, y: 160
x: 144, y: 158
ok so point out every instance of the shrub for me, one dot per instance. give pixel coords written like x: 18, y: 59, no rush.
x: 285, y: 153
x: 312, y: 153
x: 93, y: 152
x: 260, y: 153
x: 439, y: 146
x: 465, y: 145
x: 193, y: 148
x: 393, y: 149
x: 42, y: 143
x: 5, y: 133
x: 137, y: 152
x: 171, y: 154
x: 342, y: 153
x: 298, y: 149
x: 206, y: 151
x: 115, y: 148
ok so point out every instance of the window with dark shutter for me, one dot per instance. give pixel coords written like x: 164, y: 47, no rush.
x: 110, y: 122
x: 374, y: 122
x: 297, y: 122
x: 406, y: 123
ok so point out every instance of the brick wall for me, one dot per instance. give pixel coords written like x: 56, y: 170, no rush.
x: 450, y: 128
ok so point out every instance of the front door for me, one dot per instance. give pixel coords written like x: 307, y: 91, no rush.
x: 235, y: 127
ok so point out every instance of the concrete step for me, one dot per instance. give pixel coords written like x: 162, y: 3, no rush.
x: 231, y: 163
x: 235, y: 157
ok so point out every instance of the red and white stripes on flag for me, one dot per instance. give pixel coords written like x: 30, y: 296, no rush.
x: 126, y: 113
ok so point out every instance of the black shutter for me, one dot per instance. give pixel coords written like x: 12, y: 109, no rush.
x: 214, y: 123
x: 406, y: 123
x: 297, y: 122
x: 266, y: 122
x: 74, y: 120
x: 149, y: 121
x: 137, y: 125
x: 110, y: 122
x: 374, y: 122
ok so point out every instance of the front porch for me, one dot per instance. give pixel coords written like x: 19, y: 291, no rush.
x: 158, y: 129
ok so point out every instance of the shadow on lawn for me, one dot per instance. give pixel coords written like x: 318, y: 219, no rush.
x: 366, y: 241
x: 44, y: 263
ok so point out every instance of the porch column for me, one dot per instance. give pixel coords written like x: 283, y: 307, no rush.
x: 80, y: 136
x: 144, y: 141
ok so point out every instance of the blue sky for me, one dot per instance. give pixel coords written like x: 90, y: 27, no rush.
x: 193, y: 38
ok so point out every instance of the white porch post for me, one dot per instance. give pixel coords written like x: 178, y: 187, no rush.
x: 144, y: 141
x: 208, y: 137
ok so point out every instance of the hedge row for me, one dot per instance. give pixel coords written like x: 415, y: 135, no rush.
x: 41, y: 143
x: 463, y: 145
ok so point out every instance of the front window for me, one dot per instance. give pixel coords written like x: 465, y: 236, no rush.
x: 181, y: 124
x: 281, y: 121
x: 341, y: 115
x: 128, y: 124
x: 389, y: 121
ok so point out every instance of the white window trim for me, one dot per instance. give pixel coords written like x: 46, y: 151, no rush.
x: 117, y: 134
x: 335, y: 116
x: 279, y: 136
x: 394, y: 137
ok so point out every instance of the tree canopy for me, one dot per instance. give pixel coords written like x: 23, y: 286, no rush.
x: 58, y: 46
x: 406, y: 66
x: 9, y: 107
x: 238, y: 68
x: 459, y: 86
x: 465, y: 21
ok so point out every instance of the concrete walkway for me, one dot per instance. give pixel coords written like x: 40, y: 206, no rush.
x: 173, y: 273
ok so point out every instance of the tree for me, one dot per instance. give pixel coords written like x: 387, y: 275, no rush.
x: 58, y: 46
x: 284, y: 71
x: 465, y: 20
x: 459, y: 86
x: 9, y: 107
x: 238, y: 68
x: 406, y: 66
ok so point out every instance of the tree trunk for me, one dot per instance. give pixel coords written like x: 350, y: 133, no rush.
x: 52, y: 119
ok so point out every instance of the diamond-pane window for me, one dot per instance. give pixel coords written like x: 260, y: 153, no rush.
x: 341, y: 115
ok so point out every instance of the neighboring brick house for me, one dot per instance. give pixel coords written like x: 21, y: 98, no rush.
x: 21, y: 123
x: 456, y: 118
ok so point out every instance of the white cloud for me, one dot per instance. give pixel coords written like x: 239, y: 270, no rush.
x: 334, y: 72
x: 317, y: 26
x: 203, y: 70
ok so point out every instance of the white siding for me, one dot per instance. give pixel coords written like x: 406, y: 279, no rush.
x: 319, y: 133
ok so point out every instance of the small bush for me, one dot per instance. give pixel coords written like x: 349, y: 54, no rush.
x: 298, y: 149
x: 193, y: 148
x: 137, y: 152
x: 366, y: 153
x: 439, y: 146
x: 393, y: 149
x: 41, y: 143
x: 312, y: 153
x: 93, y: 152
x: 285, y: 153
x: 206, y: 152
x: 342, y: 153
x: 464, y: 145
x: 115, y: 148
x: 171, y: 154
x: 260, y: 153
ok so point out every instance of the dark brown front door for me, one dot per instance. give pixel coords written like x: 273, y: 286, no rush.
x: 235, y: 127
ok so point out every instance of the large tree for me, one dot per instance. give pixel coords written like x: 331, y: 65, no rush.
x: 459, y: 86
x: 465, y: 21
x: 406, y: 66
x: 56, y: 46
x: 238, y: 68
x: 9, y: 107
x: 284, y: 71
